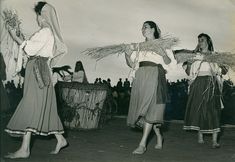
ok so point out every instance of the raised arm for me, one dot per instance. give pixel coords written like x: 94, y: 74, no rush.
x: 19, y: 40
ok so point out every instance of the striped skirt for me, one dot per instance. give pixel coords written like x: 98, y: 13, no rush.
x: 203, y: 108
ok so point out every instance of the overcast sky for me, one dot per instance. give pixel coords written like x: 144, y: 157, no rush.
x: 92, y: 23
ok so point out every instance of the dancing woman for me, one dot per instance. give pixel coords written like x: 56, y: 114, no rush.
x: 37, y: 111
x: 204, y: 104
x: 149, y: 89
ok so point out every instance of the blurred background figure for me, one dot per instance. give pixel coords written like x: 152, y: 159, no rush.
x: 78, y: 75
x: 4, y: 104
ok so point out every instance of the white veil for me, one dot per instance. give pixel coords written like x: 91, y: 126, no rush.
x: 48, y: 12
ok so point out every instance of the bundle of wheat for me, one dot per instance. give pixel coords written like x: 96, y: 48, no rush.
x: 156, y: 45
x: 222, y: 58
x: 9, y: 46
x: 11, y: 19
x: 101, y: 52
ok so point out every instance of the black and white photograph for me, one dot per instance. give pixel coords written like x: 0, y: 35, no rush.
x: 117, y: 80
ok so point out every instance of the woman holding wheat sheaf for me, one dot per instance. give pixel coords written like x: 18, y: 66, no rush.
x: 149, y: 87
x: 204, y: 104
x: 37, y: 111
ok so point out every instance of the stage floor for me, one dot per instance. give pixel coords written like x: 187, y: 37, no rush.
x: 115, y: 143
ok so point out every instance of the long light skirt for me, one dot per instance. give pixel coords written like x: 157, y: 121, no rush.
x: 148, y: 96
x: 37, y: 111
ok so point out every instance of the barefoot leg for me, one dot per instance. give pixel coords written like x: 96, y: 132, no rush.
x: 159, y: 137
x: 24, y: 150
x: 61, y: 143
x: 200, y: 137
x: 215, y: 143
x: 142, y: 145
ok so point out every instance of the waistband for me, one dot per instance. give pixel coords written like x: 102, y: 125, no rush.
x: 147, y: 63
x: 204, y: 73
x: 38, y: 57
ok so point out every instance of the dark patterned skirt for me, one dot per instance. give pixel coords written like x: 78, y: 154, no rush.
x: 148, y: 96
x: 203, y: 108
x: 37, y: 111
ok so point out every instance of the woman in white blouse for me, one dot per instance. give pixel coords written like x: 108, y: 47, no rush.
x: 78, y: 75
x: 37, y: 111
x: 204, y: 104
x: 149, y: 88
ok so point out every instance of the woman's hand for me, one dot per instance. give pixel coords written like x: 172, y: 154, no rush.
x: 129, y: 49
x: 13, y: 34
x: 224, y: 69
x: 166, y: 59
x: 11, y: 30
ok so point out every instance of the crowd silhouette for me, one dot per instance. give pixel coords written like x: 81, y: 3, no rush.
x: 175, y: 109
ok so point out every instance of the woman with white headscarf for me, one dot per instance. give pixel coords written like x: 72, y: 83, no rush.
x: 149, y: 88
x: 37, y: 111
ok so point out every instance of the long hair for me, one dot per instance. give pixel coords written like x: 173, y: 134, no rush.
x: 79, y: 67
x: 157, y: 33
x: 209, y: 42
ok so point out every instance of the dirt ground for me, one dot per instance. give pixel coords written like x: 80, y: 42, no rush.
x: 115, y: 143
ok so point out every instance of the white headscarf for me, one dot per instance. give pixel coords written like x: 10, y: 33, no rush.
x: 48, y: 12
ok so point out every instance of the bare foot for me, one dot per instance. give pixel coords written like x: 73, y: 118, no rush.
x: 60, y: 145
x: 159, y: 143
x: 201, y: 141
x: 215, y: 145
x: 139, y: 150
x: 18, y: 154
x: 200, y: 138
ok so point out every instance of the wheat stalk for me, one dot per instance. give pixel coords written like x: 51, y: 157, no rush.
x: 157, y: 46
x: 222, y: 58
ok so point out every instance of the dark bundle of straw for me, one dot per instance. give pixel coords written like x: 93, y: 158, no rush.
x: 183, y: 55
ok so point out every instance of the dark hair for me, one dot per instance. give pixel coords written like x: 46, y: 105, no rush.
x: 78, y: 66
x: 157, y: 33
x: 209, y: 41
x: 38, y: 7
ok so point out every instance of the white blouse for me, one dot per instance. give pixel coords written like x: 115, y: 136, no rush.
x: 78, y: 76
x: 40, y: 44
x: 204, y: 68
x: 153, y: 57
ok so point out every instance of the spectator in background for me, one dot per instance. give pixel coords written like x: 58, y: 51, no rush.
x: 99, y: 81
x: 119, y: 85
x: 96, y: 80
x: 127, y: 84
x: 109, y: 82
x: 78, y: 75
